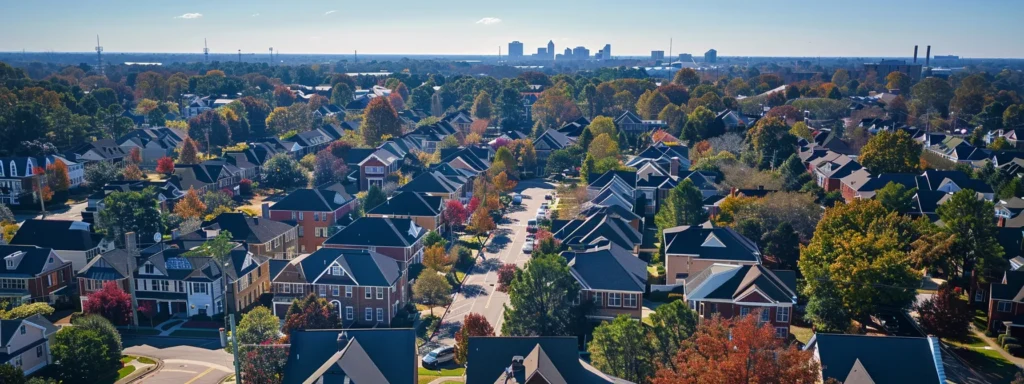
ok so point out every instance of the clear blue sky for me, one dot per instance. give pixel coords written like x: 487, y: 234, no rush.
x: 970, y: 28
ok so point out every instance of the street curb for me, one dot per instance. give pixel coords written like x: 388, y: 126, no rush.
x: 137, y: 375
x: 456, y: 291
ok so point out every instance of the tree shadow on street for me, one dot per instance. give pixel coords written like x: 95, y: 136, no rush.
x: 472, y: 290
x: 488, y: 265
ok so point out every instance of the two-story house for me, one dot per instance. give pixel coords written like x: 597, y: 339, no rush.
x: 460, y: 120
x: 385, y: 356
x: 174, y: 283
x: 152, y: 143
x: 25, y: 343
x: 264, y: 237
x: 433, y: 183
x: 375, y: 167
x: 1006, y: 304
x: 313, y: 211
x: 689, y: 250
x: 550, y: 141
x: 71, y: 240
x: 399, y: 239
x: 612, y: 277
x: 106, y: 150
x: 532, y: 359
x: 114, y: 266
x: 601, y: 225
x: 881, y: 360
x: 32, y: 274
x: 421, y: 208
x: 365, y: 287
x: 738, y: 290
x: 17, y: 182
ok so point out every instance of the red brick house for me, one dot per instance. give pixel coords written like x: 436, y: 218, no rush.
x: 110, y: 266
x: 376, y: 167
x: 32, y: 274
x: 1006, y: 304
x: 312, y: 211
x: 612, y: 278
x: 399, y: 239
x: 423, y: 209
x: 689, y: 250
x: 734, y: 290
x: 365, y: 287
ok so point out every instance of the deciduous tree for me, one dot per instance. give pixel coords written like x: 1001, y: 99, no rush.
x: 891, y: 152
x: 431, y: 289
x: 684, y: 206
x: 897, y: 80
x: 165, y: 165
x: 130, y: 211
x: 257, y: 325
x: 82, y: 355
x: 482, y: 106
x: 895, y: 197
x: 190, y: 206
x: 945, y: 314
x: 473, y: 324
x: 651, y: 103
x: 621, y: 348
x: 132, y: 172
x: 687, y: 77
x: 379, y: 119
x: 672, y: 325
x: 57, y: 176
x: 975, y: 246
x: 311, y: 312
x: 283, y: 172
x: 604, y: 147
x: 541, y: 299
x: 506, y: 273
x: 189, y: 152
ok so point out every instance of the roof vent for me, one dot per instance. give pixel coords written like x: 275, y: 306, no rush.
x: 712, y: 241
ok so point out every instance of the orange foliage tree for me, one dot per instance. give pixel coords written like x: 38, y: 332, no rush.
x: 132, y: 172
x: 739, y: 351
x: 135, y: 156
x: 481, y: 222
x: 45, y: 192
x: 435, y: 258
x: 165, y: 165
x: 191, y: 206
x: 57, y: 176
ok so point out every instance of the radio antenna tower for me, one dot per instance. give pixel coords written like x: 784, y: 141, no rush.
x: 239, y: 55
x: 271, y: 55
x: 206, y: 52
x: 99, y: 54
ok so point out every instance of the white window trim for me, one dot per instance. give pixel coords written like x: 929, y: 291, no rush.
x: 782, y: 315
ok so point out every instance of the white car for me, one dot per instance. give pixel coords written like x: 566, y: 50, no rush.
x: 545, y: 206
x: 541, y: 214
x: 528, y: 246
x: 438, y: 356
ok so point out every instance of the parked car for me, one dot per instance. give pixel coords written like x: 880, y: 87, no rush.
x: 541, y: 214
x: 438, y: 356
x: 528, y: 246
x: 531, y: 226
x: 548, y: 197
x: 545, y: 207
x: 517, y: 199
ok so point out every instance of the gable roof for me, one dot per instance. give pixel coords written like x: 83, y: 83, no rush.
x: 365, y: 354
x: 64, y: 235
x: 691, y: 240
x: 488, y: 357
x: 408, y: 203
x: 590, y: 231
x: 733, y: 282
x: 252, y: 230
x: 609, y: 267
x: 380, y: 232
x: 32, y: 262
x: 431, y: 182
x: 315, y: 200
x: 111, y: 265
x: 552, y: 139
x: 362, y: 267
x: 888, y: 359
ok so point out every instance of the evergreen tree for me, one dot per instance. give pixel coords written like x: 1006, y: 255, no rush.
x: 541, y: 299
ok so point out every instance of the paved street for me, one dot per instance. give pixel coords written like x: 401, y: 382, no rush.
x: 478, y: 294
x: 70, y: 212
x: 190, y: 361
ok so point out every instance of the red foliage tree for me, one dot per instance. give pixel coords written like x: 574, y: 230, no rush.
x: 135, y: 156
x: 283, y: 96
x: 454, y: 213
x: 474, y: 324
x: 739, y: 351
x: 245, y: 187
x: 165, y: 165
x: 264, y: 364
x: 148, y: 309
x: 474, y: 202
x: 110, y: 302
x: 945, y: 314
x: 506, y: 273
x: 396, y: 101
x: 311, y: 313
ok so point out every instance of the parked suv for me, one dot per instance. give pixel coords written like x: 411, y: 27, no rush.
x: 438, y: 356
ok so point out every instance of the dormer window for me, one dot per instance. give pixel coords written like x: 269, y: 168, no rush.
x: 149, y: 269
x: 10, y: 264
x: 336, y: 270
x: 14, y: 169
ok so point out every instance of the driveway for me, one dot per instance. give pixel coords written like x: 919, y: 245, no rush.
x: 66, y: 212
x: 478, y: 294
x: 191, y: 361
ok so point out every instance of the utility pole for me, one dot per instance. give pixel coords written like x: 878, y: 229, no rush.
x: 234, y: 348
x: 206, y: 52
x: 99, y: 54
x: 239, y: 55
x: 133, y: 253
x: 271, y: 56
x: 39, y: 192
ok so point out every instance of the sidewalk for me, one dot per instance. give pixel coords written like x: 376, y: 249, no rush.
x: 1019, y: 362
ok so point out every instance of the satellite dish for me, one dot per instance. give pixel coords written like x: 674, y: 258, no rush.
x: 157, y: 237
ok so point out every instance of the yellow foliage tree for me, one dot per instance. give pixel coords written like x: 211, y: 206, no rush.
x: 435, y: 258
x: 191, y: 206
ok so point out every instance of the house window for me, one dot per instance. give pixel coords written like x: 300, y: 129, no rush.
x: 367, y: 294
x: 293, y: 215
x: 744, y: 311
x: 348, y: 291
x: 220, y: 306
x: 17, y: 361
x: 335, y: 270
x: 22, y: 330
x: 369, y: 314
x: 298, y: 288
x: 597, y: 299
x: 979, y: 295
x: 349, y: 313
x: 301, y: 234
x: 39, y: 351
x: 614, y: 299
x: 629, y: 301
x: 302, y: 216
x: 765, y: 315
x: 286, y: 288
x: 316, y: 216
x: 323, y: 290
x: 781, y: 332
x: 380, y: 293
x: 149, y: 269
x: 1003, y: 306
x: 10, y: 263
x: 49, y: 280
x: 335, y: 290
x: 165, y: 285
x: 782, y: 315
x: 380, y: 314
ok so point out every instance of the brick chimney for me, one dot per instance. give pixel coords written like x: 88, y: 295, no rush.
x: 674, y: 167
x: 265, y: 210
x: 130, y: 242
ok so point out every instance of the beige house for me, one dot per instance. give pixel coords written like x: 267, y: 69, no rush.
x: 26, y: 342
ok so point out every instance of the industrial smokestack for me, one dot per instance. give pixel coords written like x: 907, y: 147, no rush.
x: 928, y: 56
x: 915, y: 54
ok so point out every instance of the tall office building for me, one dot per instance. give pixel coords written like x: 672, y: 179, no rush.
x: 711, y: 56
x: 606, y: 53
x: 580, y: 53
x: 685, y: 57
x: 657, y: 55
x: 515, y: 49
x: 551, y: 48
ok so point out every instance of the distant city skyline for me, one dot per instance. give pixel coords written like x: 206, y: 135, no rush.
x: 804, y: 28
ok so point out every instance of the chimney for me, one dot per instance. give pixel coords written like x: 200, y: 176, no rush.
x: 928, y: 56
x: 129, y: 242
x: 342, y: 340
x: 175, y: 234
x: 915, y: 54
x: 211, y: 233
x: 674, y: 168
x: 760, y: 187
x: 265, y: 210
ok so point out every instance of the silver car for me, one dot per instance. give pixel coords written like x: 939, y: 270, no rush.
x: 438, y: 356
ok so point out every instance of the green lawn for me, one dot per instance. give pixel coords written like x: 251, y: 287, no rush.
x: 195, y: 333
x: 471, y: 241
x: 428, y: 375
x: 127, y: 359
x: 989, y: 363
x: 801, y: 334
x: 139, y: 331
x: 146, y: 360
x: 128, y: 369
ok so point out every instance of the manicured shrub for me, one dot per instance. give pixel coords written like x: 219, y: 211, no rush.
x: 1013, y: 349
x: 1010, y: 340
x: 999, y: 339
